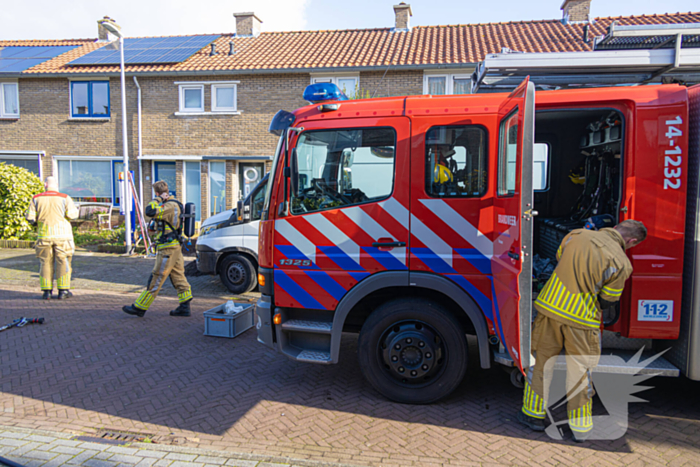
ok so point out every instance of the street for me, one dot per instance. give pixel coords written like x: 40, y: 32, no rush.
x: 91, y: 369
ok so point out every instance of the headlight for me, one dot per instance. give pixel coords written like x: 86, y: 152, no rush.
x: 208, y: 229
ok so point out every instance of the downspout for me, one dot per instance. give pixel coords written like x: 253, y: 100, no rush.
x: 136, y: 81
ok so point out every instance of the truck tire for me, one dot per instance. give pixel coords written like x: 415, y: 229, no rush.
x: 238, y: 274
x: 412, y: 351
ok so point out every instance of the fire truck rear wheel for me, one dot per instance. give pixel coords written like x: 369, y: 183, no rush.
x: 412, y: 351
x: 238, y: 274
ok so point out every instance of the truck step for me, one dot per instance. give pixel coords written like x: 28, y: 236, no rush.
x: 314, y: 356
x: 302, y: 325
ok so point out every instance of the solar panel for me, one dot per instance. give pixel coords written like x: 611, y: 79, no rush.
x: 149, y: 50
x: 16, y: 59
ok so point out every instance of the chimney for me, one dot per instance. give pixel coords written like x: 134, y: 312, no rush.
x: 403, y: 17
x: 247, y: 24
x: 575, y: 11
x: 102, y: 34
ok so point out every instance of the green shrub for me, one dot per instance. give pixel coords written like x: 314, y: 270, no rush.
x: 17, y: 186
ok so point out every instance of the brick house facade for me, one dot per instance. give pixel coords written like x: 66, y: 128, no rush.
x: 205, y: 153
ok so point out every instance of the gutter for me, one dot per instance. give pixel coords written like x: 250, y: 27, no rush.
x: 441, y: 66
x: 136, y: 81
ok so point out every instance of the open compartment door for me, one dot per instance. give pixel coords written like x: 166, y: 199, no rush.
x: 512, y: 249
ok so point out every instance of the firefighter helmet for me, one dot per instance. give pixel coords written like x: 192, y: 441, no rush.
x: 442, y: 174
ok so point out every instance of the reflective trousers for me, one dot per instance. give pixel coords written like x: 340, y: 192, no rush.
x: 169, y: 263
x: 60, y: 252
x: 582, y: 351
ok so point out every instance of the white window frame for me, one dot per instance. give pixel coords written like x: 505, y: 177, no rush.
x: 449, y: 80
x: 110, y: 159
x: 334, y: 78
x: 215, y: 107
x: 182, y: 89
x: 2, y: 100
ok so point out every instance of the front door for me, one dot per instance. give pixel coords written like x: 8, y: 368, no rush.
x: 511, y: 263
x: 348, y: 210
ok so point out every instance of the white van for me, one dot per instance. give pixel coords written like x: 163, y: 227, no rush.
x: 228, y: 243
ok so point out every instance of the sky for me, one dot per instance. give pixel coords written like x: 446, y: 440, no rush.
x: 77, y: 19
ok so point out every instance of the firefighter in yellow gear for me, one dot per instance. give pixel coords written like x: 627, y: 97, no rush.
x: 166, y: 212
x: 589, y: 277
x: 52, y: 211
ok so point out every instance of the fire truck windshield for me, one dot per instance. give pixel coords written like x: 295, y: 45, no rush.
x: 335, y: 168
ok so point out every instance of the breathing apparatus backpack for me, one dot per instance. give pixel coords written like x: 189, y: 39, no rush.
x: 186, y: 224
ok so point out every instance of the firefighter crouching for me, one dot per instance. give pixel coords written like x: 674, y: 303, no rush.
x: 590, y: 276
x: 167, y: 214
x: 51, y: 212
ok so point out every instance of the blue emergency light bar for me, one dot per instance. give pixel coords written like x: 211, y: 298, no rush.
x: 322, y: 92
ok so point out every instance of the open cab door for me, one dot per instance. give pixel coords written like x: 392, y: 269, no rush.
x: 511, y: 263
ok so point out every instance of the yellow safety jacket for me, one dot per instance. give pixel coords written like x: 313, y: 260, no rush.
x: 591, y: 264
x: 51, y: 211
x: 169, y: 212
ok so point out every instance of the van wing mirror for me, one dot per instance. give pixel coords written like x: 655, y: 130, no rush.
x: 239, y: 211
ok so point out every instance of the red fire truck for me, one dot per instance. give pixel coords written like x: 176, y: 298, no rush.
x: 417, y: 221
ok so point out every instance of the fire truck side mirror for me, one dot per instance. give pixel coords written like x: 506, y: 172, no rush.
x: 294, y: 169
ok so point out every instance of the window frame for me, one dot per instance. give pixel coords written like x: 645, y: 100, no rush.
x: 449, y: 82
x: 2, y: 99
x: 90, y: 115
x: 486, y: 165
x: 181, y: 92
x: 107, y: 159
x: 334, y: 78
x: 215, y: 107
x: 502, y: 146
x: 372, y: 200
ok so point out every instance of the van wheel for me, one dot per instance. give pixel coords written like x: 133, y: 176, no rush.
x: 412, y: 351
x: 237, y: 273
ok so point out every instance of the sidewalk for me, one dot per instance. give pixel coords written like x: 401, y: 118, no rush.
x: 91, y: 370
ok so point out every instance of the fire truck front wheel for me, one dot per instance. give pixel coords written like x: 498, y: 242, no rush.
x: 412, y: 351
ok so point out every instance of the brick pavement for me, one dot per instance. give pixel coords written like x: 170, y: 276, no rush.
x: 91, y: 368
x: 101, y: 271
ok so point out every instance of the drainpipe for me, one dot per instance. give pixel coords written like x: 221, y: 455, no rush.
x: 140, y: 146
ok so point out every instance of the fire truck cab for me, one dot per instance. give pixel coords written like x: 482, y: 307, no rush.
x: 416, y: 221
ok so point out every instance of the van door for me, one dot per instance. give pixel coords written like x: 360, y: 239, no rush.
x: 348, y: 209
x: 511, y: 263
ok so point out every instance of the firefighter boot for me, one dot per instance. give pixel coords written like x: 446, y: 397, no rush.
x: 535, y: 424
x: 47, y: 295
x: 182, y: 310
x: 133, y: 310
x: 64, y: 294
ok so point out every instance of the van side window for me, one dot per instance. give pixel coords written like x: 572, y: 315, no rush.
x: 456, y: 163
x: 336, y: 168
x: 256, y: 204
x: 507, y: 156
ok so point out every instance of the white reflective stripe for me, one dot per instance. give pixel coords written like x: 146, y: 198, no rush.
x: 373, y: 229
x: 335, y: 235
x: 431, y: 240
x: 460, y: 225
x: 396, y: 210
x: 307, y: 248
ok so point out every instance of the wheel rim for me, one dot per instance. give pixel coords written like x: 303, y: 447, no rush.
x: 412, y: 352
x: 236, y: 273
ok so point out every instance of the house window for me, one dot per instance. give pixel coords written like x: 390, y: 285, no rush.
x: 90, y: 99
x: 217, y: 187
x: 30, y: 163
x: 348, y: 84
x: 192, y: 98
x: 9, y: 100
x: 223, y: 98
x: 438, y: 85
x: 86, y: 180
x: 193, y: 191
